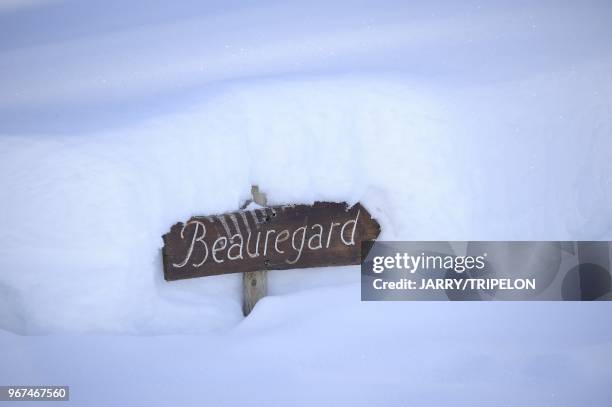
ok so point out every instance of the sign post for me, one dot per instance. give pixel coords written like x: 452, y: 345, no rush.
x: 252, y: 241
x: 254, y: 283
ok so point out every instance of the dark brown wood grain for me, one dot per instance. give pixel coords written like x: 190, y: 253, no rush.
x: 288, y: 236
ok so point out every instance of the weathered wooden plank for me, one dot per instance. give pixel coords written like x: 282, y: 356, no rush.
x: 272, y: 238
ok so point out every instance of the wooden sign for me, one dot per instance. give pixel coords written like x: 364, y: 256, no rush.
x: 270, y: 238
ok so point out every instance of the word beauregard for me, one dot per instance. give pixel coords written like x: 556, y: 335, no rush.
x: 268, y: 238
x: 283, y: 242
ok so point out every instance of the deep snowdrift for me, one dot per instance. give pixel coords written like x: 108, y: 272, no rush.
x: 447, y: 120
x: 324, y: 347
x: 83, y: 217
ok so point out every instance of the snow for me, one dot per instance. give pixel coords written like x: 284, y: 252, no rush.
x: 446, y: 121
x: 324, y: 347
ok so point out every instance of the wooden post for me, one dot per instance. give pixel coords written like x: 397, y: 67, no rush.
x: 254, y: 283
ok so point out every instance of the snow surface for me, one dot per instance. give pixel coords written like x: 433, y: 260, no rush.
x: 448, y: 121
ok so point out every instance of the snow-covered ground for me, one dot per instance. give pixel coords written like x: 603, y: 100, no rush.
x: 448, y: 120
